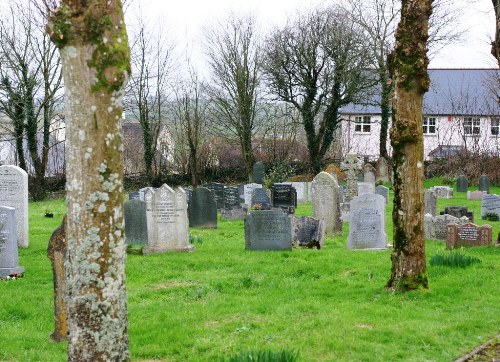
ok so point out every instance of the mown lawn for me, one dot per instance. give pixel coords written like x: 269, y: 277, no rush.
x: 329, y: 304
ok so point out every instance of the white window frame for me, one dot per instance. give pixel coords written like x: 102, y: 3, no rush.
x: 362, y: 124
x: 472, y: 126
x: 495, y: 127
x: 429, y: 125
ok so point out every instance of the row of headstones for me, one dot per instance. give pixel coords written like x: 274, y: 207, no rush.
x: 463, y: 184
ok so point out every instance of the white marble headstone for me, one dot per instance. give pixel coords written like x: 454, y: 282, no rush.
x: 367, y: 223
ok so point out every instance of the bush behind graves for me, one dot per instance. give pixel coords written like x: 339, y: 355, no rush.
x: 491, y: 216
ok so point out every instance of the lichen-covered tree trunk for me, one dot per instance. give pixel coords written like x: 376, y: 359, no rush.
x: 95, y: 57
x: 408, y: 63
x: 495, y: 44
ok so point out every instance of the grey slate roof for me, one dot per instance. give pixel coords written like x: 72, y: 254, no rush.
x: 452, y: 92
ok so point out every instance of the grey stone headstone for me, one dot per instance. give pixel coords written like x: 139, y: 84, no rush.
x: 383, y: 191
x: 484, y: 183
x: 367, y: 223
x: 134, y: 195
x: 308, y: 231
x: 475, y: 195
x: 9, y: 259
x: 302, y: 191
x: 458, y: 211
x: 382, y: 170
x: 430, y: 202
x: 218, y: 192
x: 462, y: 184
x: 325, y: 202
x: 442, y: 192
x: 259, y: 196
x: 241, y: 191
x: 232, y: 198
x: 14, y: 193
x: 435, y: 226
x: 233, y: 214
x: 369, y: 174
x: 188, y: 191
x: 268, y: 230
x: 490, y: 204
x: 202, y: 209
x: 248, y: 191
x: 259, y: 172
x: 352, y: 165
x: 136, y: 227
x: 366, y: 188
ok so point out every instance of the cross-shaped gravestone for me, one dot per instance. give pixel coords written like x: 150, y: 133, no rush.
x: 351, y: 166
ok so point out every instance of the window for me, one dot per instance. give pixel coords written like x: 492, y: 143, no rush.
x: 362, y: 124
x: 495, y: 126
x: 471, y: 126
x: 429, y: 125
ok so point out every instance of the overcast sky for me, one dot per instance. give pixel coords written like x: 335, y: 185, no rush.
x: 184, y: 21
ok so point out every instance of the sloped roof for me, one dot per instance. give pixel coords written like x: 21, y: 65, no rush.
x: 451, y: 92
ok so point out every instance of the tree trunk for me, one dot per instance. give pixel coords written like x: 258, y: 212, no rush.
x: 385, y: 109
x: 95, y: 56
x: 495, y: 44
x: 408, y: 64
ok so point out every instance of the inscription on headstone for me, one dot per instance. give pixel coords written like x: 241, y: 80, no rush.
x: 218, y: 192
x: 231, y: 198
x: 268, y: 230
x: 283, y: 195
x: 367, y: 223
x: 490, y: 204
x: 468, y: 235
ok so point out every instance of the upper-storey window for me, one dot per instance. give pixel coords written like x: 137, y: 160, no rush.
x: 362, y: 124
x: 471, y: 126
x: 429, y: 125
x: 495, y: 126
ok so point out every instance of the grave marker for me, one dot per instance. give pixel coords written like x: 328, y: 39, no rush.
x: 307, y: 231
x: 231, y: 198
x: 430, y: 202
x: 369, y: 174
x: 268, y: 230
x: 259, y: 172
x: 218, y: 192
x: 367, y: 223
x: 259, y: 197
x: 382, y: 170
x: 484, y: 183
x: 462, y: 184
x: 468, y: 235
x: 9, y: 258
x: 248, y: 191
x: 202, y: 209
x: 490, y: 204
x: 435, y: 226
x: 475, y: 195
x: 136, y: 226
x: 443, y: 192
x: 351, y: 166
x: 383, y: 191
x: 325, y: 202
x: 283, y: 195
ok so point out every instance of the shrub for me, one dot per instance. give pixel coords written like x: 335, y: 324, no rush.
x: 454, y: 259
x: 491, y: 216
x: 279, y: 172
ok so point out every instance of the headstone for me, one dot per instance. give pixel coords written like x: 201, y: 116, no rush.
x: 259, y: 172
x: 435, y: 226
x: 383, y: 191
x: 241, y: 191
x: 283, y: 195
x: 231, y: 198
x: 166, y: 215
x: 458, y: 211
x: 268, y: 230
x: 351, y: 166
x: 430, y: 202
x: 57, y: 253
x: 382, y: 170
x: 218, y: 192
x: 302, y: 191
x: 442, y: 192
x: 260, y: 199
x: 490, y: 205
x: 188, y: 191
x: 136, y: 226
x: 484, y: 183
x: 369, y: 174
x: 307, y: 231
x: 325, y: 202
x: 14, y: 193
x: 468, y: 235
x: 475, y: 195
x: 367, y: 223
x: 248, y: 191
x: 202, y: 209
x: 366, y: 188
x: 233, y: 214
x: 9, y: 258
x: 134, y: 195
x: 462, y: 184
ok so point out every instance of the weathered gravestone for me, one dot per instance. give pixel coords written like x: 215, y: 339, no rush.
x: 468, y: 235
x: 218, y: 192
x: 484, y: 183
x: 458, y: 211
x: 383, y: 191
x: 367, y: 223
x: 233, y: 214
x: 166, y: 215
x: 202, y: 209
x: 248, y: 191
x: 490, y: 205
x: 435, y: 226
x: 134, y: 195
x: 325, y: 202
x: 259, y: 172
x: 57, y: 253
x: 382, y: 170
x: 351, y: 166
x: 442, y: 192
x: 368, y: 174
x: 475, y: 195
x: 9, y: 259
x: 462, y: 184
x: 14, y: 193
x: 366, y: 188
x: 302, y: 189
x: 307, y: 231
x: 136, y: 227
x: 231, y: 198
x: 268, y: 230
x: 430, y: 202
x: 283, y: 195
x: 260, y: 200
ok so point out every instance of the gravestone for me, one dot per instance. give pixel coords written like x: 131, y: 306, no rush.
x: 351, y: 166
x: 166, y: 215
x: 484, y: 183
x: 188, y: 191
x: 382, y: 170
x: 134, y: 195
x: 136, y: 227
x: 430, y: 202
x: 435, y: 226
x: 231, y: 198
x: 302, y: 189
x: 283, y: 195
x: 260, y: 199
x: 9, y: 258
x: 458, y: 211
x: 366, y: 188
x: 241, y: 191
x: 442, y: 192
x: 368, y: 174
x: 233, y: 214
x: 268, y: 230
x: 14, y: 193
x: 490, y: 205
x: 259, y: 172
x: 202, y: 209
x: 325, y: 202
x: 383, y: 191
x: 248, y: 191
x: 307, y: 231
x: 475, y: 195
x: 468, y: 235
x: 462, y: 184
x: 367, y: 223
x: 218, y: 192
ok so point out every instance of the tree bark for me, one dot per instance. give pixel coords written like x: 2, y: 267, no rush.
x: 495, y: 44
x: 408, y: 64
x: 385, y: 109
x: 95, y: 56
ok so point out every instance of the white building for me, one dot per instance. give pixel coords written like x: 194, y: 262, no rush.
x: 461, y: 112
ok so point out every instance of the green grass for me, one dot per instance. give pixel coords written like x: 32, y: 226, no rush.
x: 222, y: 301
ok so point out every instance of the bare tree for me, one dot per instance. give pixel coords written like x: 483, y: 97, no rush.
x: 408, y: 64
x: 495, y: 44
x: 318, y: 63
x: 233, y: 53
x: 92, y: 41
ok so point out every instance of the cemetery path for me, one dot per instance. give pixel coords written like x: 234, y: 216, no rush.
x: 488, y: 352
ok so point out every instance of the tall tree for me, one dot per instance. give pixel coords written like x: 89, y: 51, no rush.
x: 233, y: 54
x: 408, y: 64
x: 495, y: 44
x: 318, y: 63
x: 93, y: 45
